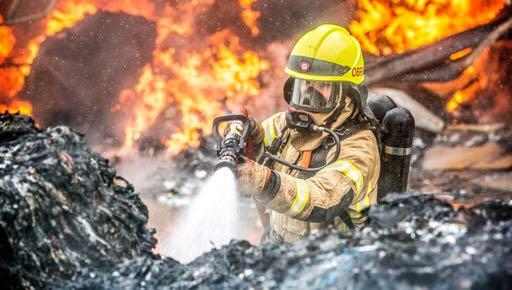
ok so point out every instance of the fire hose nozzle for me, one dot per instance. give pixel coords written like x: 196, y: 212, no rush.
x: 226, y: 163
x: 230, y: 133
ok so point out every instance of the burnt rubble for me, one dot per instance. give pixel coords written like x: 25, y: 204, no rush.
x: 68, y: 221
x: 62, y: 207
x: 412, y: 241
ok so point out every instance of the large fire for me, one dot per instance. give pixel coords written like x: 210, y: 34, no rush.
x: 385, y: 27
x: 12, y: 74
x: 193, y: 83
x: 201, y: 82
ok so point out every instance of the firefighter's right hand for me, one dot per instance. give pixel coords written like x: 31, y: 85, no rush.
x: 256, y: 134
x: 255, y: 130
x: 252, y: 177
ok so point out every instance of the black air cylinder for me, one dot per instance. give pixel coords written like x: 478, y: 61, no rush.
x: 398, y: 133
x: 380, y: 105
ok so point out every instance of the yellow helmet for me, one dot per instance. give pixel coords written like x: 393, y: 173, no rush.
x: 327, y: 53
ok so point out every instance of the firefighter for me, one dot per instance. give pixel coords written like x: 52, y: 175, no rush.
x: 326, y: 70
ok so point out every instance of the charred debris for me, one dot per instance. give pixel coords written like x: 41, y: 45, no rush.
x: 62, y: 207
x: 67, y: 220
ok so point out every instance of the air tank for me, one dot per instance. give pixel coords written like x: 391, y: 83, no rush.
x: 398, y: 132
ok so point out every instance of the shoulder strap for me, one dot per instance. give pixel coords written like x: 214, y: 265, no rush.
x: 353, y: 126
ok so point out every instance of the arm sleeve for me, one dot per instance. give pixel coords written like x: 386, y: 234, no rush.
x: 263, y: 134
x: 333, y: 189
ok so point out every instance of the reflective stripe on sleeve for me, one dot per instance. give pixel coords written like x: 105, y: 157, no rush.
x: 269, y: 130
x: 363, y: 204
x: 348, y: 169
x: 288, y: 153
x: 301, y: 198
x: 354, y: 214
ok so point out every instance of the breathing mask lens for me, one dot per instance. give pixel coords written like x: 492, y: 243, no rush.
x: 315, y: 96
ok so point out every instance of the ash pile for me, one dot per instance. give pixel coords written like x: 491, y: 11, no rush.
x: 68, y: 221
x: 413, y: 241
x: 62, y: 207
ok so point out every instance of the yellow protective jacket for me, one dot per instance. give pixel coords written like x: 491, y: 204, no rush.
x: 349, y: 184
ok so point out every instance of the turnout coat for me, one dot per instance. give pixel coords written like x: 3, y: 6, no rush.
x: 339, y: 195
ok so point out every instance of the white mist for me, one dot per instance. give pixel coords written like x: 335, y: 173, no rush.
x: 211, y: 220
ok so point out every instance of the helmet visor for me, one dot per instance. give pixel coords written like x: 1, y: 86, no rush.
x: 315, y: 96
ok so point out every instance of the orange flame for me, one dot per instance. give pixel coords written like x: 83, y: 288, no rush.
x: 7, y: 41
x: 66, y: 14
x: 232, y: 80
x: 384, y: 27
x: 250, y: 16
x: 199, y: 83
x: 193, y: 84
x: 12, y: 81
x: 460, y: 54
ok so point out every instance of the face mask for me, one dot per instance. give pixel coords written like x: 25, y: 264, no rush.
x: 315, y: 96
x: 320, y: 118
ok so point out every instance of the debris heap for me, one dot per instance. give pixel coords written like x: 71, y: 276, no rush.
x: 67, y: 221
x: 413, y: 241
x: 62, y: 207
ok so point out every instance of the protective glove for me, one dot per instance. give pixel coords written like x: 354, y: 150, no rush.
x: 252, y: 178
x: 255, y: 131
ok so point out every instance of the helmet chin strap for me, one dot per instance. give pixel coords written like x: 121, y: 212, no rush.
x: 337, y: 111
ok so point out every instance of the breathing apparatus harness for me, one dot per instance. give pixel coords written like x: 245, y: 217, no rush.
x: 303, y: 122
x: 361, y: 118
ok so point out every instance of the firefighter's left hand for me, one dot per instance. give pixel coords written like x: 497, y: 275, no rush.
x: 252, y: 177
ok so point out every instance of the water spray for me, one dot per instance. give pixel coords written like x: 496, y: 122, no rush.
x: 212, y: 219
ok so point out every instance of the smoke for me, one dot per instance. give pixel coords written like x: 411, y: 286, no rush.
x: 78, y: 74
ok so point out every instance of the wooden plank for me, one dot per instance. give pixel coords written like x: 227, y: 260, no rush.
x: 481, y: 128
x: 432, y: 62
x: 490, y: 156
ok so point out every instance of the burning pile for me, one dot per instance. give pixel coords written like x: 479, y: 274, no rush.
x: 68, y: 221
x: 207, y: 56
x: 452, y: 50
x: 193, y: 75
x: 388, y: 27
